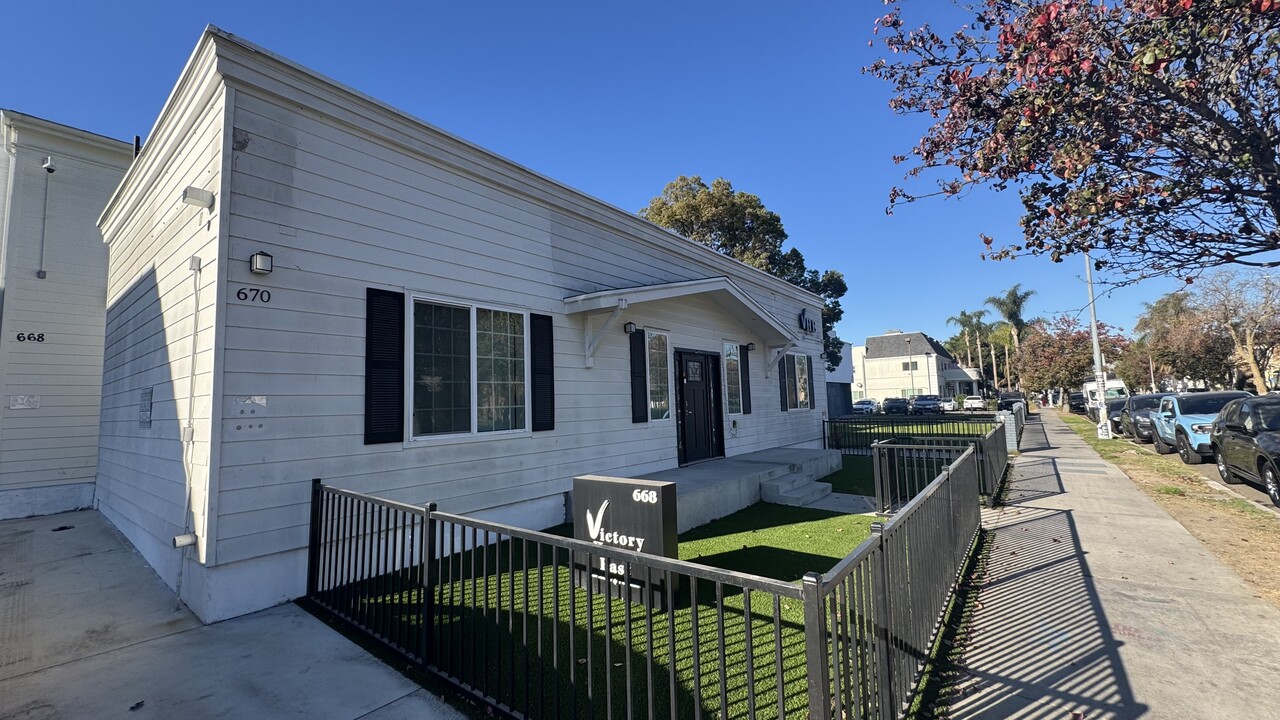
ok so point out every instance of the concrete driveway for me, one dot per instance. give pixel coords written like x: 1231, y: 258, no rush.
x: 87, y: 630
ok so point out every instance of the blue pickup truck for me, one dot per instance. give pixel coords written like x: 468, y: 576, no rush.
x: 1183, y: 422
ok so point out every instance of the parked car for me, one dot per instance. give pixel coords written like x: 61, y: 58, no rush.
x: 1075, y: 402
x: 1008, y: 399
x: 1246, y: 442
x: 866, y: 407
x: 895, y: 406
x: 974, y: 402
x: 1184, y: 420
x: 1114, y: 408
x: 1135, y: 417
x: 926, y: 405
x: 949, y: 405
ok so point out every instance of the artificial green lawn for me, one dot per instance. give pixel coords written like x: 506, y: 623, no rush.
x: 857, y: 477
x: 507, y: 627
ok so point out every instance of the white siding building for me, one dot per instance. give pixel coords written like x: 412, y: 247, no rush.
x: 54, y: 180
x: 438, y: 324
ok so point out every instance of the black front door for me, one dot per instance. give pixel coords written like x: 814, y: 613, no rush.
x: 697, y: 401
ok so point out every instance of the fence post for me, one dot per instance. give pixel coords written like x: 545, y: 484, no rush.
x: 426, y: 658
x: 883, y: 619
x: 313, y: 541
x: 815, y: 647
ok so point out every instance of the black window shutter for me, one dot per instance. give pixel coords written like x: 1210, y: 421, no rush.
x: 813, y: 401
x: 793, y: 392
x: 639, y: 379
x: 744, y: 372
x: 383, y: 367
x: 782, y: 381
x: 542, y: 366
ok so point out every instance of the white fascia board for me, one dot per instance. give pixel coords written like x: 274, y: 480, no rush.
x: 196, y: 86
x: 720, y: 290
x: 248, y: 66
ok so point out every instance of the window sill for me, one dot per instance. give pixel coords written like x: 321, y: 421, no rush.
x: 462, y: 439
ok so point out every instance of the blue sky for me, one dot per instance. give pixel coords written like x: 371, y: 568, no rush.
x: 615, y: 100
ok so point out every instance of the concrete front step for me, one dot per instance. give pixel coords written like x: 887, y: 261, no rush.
x: 799, y: 495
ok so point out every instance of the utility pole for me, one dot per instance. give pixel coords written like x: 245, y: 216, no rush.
x: 1099, y: 371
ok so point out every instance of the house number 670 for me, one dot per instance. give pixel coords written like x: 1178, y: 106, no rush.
x: 253, y: 295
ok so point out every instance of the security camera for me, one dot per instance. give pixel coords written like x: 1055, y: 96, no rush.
x: 49, y: 165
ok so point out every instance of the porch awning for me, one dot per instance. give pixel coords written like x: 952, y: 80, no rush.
x: 720, y: 291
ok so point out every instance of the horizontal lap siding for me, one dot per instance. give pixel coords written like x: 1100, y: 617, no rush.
x: 151, y: 323
x: 56, y: 443
x: 340, y: 213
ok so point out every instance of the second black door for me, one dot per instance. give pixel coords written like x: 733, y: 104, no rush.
x: 697, y: 403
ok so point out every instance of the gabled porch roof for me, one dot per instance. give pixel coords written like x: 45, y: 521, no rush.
x: 720, y: 291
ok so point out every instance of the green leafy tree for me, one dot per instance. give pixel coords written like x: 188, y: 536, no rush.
x: 1181, y: 342
x: 1142, y: 131
x: 737, y: 224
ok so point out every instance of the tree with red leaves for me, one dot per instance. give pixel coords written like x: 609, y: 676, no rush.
x: 1058, y: 353
x: 1142, y: 131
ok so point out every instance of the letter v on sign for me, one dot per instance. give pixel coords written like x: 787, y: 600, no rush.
x: 595, y: 524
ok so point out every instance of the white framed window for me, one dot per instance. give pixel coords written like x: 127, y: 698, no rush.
x: 657, y: 350
x: 910, y: 366
x: 794, y: 370
x: 469, y: 368
x: 733, y: 378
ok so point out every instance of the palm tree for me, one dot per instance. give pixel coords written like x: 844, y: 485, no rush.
x: 964, y: 321
x: 979, y: 328
x: 1010, y: 306
x: 1002, y: 334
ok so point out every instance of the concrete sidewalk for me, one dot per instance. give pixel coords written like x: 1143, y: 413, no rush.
x: 1097, y: 602
x: 87, y: 630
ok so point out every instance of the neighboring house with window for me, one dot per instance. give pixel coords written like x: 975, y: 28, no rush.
x: 54, y: 180
x: 306, y: 283
x: 899, y: 364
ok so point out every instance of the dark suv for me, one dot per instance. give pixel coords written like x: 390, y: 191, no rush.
x: 1075, y: 402
x: 1135, y: 417
x: 895, y: 406
x: 926, y: 405
x: 1009, y: 399
x: 1245, y: 440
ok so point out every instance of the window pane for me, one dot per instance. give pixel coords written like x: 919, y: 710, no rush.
x: 441, y: 369
x: 659, y: 388
x: 732, y: 378
x: 802, y: 381
x: 500, y: 370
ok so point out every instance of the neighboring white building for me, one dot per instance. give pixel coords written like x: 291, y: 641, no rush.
x: 899, y: 364
x: 438, y: 324
x: 54, y: 181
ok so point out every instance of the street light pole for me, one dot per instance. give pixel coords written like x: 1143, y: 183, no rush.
x: 928, y: 370
x: 911, y: 369
x: 1099, y: 372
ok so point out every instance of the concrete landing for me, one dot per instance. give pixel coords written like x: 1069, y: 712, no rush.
x: 87, y: 630
x: 715, y: 488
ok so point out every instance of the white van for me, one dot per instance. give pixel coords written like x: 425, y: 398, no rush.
x: 1115, y: 389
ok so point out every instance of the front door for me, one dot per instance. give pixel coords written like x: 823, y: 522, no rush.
x: 697, y: 402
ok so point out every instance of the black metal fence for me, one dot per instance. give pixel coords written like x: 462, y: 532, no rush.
x: 855, y: 436
x: 904, y: 466
x: 540, y: 626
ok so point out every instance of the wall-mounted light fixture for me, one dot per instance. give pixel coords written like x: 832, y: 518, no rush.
x: 260, y: 263
x: 198, y: 197
x: 751, y: 347
x: 629, y: 328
